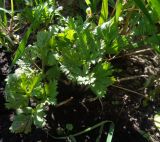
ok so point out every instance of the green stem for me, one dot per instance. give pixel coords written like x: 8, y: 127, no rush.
x: 12, y: 15
x: 4, y: 14
x: 12, y: 9
x: 82, y: 132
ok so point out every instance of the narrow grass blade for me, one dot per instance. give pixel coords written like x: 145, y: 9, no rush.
x: 95, y: 5
x: 5, y: 10
x: 3, y: 14
x: 118, y: 9
x: 23, y: 42
x: 22, y: 45
x: 156, y: 6
x: 110, y: 133
x: 104, y: 12
x: 12, y: 8
x: 141, y: 5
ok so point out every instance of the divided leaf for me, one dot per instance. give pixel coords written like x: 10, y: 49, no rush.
x: 103, y: 75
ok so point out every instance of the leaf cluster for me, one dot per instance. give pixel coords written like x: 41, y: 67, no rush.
x: 75, y: 48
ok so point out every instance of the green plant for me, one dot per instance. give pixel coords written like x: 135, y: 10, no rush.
x: 7, y: 38
x: 80, y: 50
x: 41, y: 14
x: 74, y: 51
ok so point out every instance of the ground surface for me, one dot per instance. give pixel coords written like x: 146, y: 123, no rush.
x: 129, y: 111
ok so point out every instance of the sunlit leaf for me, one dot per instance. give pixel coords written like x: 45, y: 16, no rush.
x: 110, y: 133
x: 88, y: 2
x: 156, y: 6
x: 118, y: 9
x: 104, y: 12
x: 157, y: 120
x: 39, y: 116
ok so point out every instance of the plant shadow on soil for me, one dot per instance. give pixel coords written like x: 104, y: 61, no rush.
x: 123, y: 108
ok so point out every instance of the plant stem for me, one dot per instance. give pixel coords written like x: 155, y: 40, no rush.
x: 64, y: 102
x: 131, y: 91
x: 132, y: 77
x: 131, y: 53
x: 12, y: 15
x: 82, y: 132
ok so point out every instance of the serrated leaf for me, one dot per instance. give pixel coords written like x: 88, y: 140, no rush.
x: 103, y: 75
x: 14, y: 93
x: 22, y: 85
x: 39, y: 116
x: 21, y: 124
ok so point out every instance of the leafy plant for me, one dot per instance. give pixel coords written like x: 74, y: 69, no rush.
x: 80, y: 50
x: 75, y: 51
x: 6, y: 33
x: 43, y: 13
